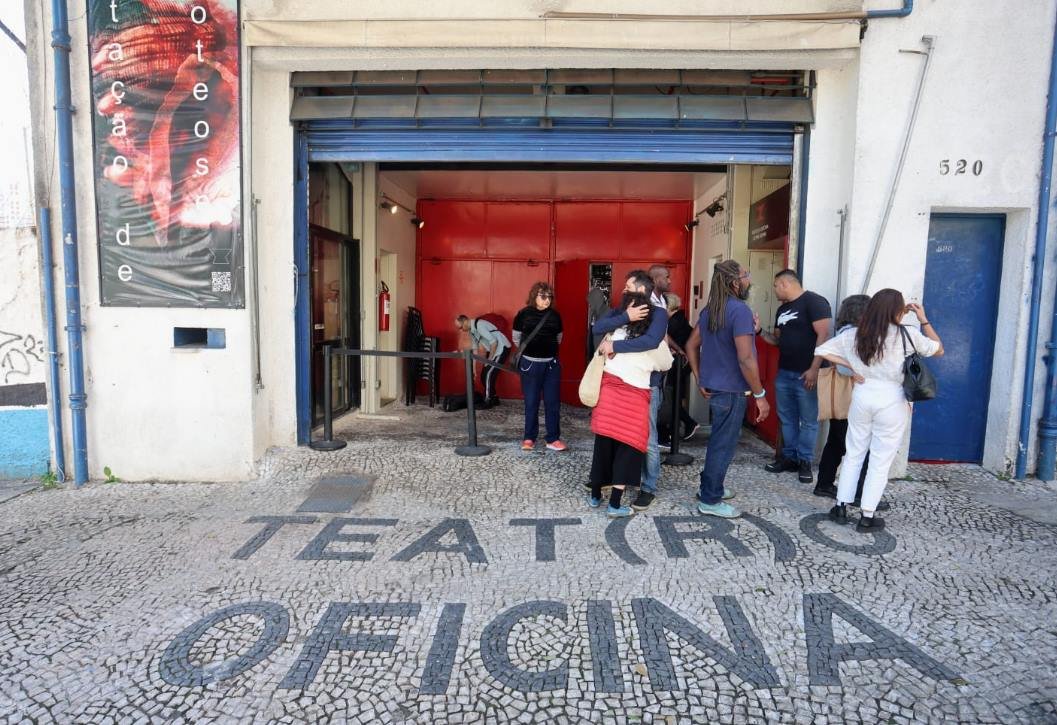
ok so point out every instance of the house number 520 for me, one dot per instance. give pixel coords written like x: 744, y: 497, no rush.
x: 961, y: 166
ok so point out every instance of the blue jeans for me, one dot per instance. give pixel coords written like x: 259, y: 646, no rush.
x: 728, y: 413
x: 651, y: 469
x: 798, y: 412
x: 541, y: 379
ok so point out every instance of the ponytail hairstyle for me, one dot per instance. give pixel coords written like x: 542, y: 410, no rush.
x: 885, y: 309
x: 724, y: 279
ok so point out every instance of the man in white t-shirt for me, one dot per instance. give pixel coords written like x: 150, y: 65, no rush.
x: 489, y: 341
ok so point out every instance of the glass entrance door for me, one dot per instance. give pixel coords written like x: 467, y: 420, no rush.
x: 335, y: 299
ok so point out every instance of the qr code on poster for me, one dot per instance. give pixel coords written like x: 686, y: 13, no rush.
x: 221, y: 281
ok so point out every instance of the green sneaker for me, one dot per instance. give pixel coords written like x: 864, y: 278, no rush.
x: 722, y: 510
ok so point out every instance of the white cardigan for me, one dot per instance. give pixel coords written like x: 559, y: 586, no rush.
x: 634, y: 368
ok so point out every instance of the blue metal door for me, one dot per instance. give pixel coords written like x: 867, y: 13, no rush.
x: 963, y: 272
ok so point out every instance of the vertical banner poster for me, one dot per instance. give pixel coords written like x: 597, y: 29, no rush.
x: 165, y: 86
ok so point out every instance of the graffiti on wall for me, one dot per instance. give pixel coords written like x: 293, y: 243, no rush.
x: 19, y: 355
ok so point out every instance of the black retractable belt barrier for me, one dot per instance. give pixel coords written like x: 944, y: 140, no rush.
x: 328, y: 443
x: 675, y: 458
x: 471, y: 448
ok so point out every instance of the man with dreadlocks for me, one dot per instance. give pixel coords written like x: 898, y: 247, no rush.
x: 722, y: 356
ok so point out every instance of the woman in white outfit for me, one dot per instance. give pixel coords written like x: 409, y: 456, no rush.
x: 879, y: 411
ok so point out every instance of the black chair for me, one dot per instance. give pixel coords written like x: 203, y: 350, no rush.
x: 415, y: 369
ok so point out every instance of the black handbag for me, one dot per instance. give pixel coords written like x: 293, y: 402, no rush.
x: 918, y: 381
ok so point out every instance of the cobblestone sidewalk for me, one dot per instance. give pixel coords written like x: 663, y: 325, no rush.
x: 394, y: 581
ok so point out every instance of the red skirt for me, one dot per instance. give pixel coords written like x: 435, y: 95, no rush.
x: 622, y: 413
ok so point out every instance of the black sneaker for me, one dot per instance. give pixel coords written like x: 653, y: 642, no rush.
x: 822, y: 489
x: 781, y: 465
x: 839, y: 514
x: 643, y: 501
x: 804, y: 472
x: 870, y: 523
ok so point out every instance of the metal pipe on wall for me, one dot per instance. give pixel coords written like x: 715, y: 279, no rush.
x: 801, y: 197
x: 843, y: 214
x: 60, y: 41
x: 908, y: 7
x: 1048, y: 424
x: 929, y: 42
x: 54, y: 399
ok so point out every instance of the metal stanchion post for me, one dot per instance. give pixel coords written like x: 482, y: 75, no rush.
x: 328, y: 443
x: 471, y: 449
x: 675, y: 458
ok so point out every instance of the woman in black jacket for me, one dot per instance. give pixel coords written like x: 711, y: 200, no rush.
x: 679, y: 330
x: 537, y: 333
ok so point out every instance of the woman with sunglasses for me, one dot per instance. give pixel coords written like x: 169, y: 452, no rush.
x: 537, y: 334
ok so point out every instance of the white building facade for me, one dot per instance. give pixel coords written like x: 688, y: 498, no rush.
x: 157, y: 409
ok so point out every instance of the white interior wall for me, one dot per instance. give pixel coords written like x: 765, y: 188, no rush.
x: 397, y: 236
x: 711, y: 238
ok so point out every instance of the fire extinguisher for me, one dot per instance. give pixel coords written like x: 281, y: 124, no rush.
x: 383, y: 308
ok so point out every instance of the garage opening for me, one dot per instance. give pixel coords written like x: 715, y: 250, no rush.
x: 476, y: 184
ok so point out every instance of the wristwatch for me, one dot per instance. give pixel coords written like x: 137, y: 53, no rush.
x: 761, y: 394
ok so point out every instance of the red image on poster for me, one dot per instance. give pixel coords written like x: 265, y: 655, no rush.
x: 165, y: 79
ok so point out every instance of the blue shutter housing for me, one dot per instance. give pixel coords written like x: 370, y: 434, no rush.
x: 711, y: 143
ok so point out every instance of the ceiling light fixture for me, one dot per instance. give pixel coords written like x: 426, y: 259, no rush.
x: 394, y: 206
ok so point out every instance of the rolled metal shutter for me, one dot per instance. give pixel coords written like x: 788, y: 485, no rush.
x: 598, y: 116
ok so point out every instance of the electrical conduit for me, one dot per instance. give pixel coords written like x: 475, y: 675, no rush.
x: 53, y: 344
x: 60, y: 41
x: 1048, y: 425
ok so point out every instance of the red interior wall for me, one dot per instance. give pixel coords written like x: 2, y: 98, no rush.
x: 476, y: 257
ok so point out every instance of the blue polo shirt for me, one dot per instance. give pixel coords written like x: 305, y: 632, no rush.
x: 719, y: 368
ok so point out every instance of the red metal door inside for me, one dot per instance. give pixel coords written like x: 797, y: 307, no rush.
x: 570, y: 292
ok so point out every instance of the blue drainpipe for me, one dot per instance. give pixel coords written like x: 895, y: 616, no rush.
x: 1048, y: 425
x: 60, y: 41
x: 53, y: 344
x: 908, y: 7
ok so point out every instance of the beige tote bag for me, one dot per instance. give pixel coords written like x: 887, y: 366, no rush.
x: 834, y: 394
x: 591, y: 382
